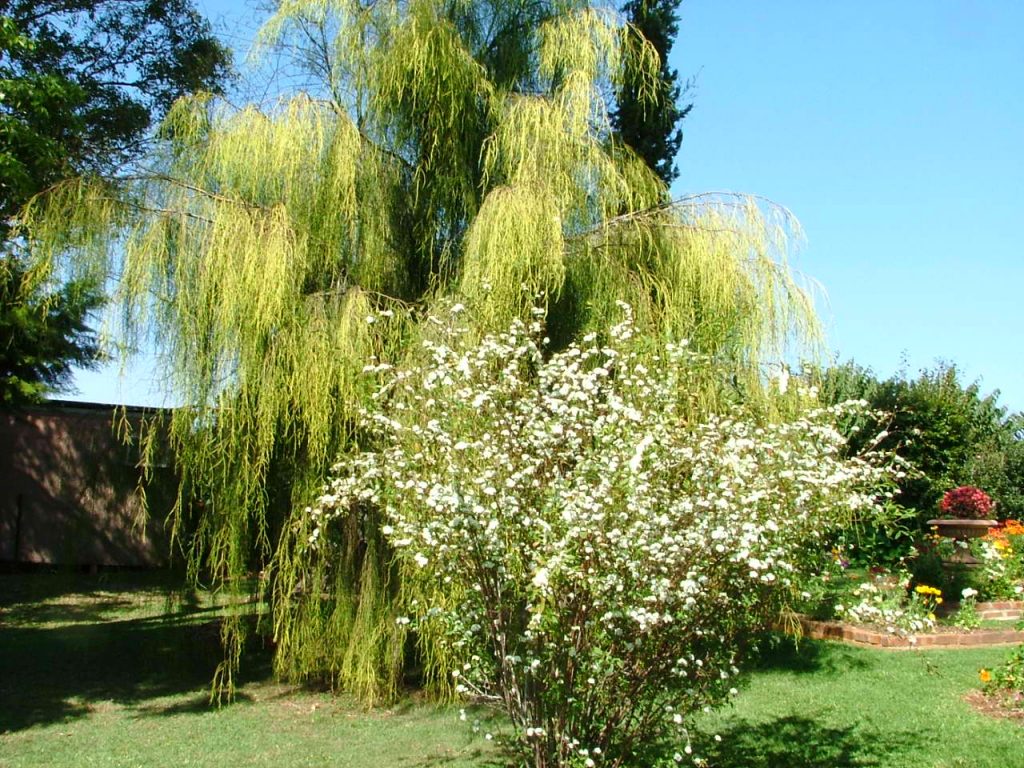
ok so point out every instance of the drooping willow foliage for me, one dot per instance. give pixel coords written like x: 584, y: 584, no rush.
x: 454, y: 151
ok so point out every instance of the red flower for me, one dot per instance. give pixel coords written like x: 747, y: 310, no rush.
x: 966, y: 502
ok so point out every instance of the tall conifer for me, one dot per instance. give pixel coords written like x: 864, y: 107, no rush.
x: 651, y: 125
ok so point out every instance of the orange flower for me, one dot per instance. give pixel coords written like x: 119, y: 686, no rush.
x: 1006, y: 528
x: 1013, y: 528
x: 985, y: 676
x: 998, y: 538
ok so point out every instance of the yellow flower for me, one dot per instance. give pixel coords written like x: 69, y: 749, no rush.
x: 985, y: 676
x: 938, y: 601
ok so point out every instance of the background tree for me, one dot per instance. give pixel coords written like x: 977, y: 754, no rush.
x: 446, y: 153
x: 651, y: 125
x: 84, y: 80
x: 42, y: 336
x: 950, y: 432
x: 998, y: 467
x: 81, y: 84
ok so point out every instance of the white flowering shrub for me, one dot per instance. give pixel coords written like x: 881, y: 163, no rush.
x: 593, y: 557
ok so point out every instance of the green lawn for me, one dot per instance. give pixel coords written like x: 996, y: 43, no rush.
x: 828, y: 704
x: 105, y: 671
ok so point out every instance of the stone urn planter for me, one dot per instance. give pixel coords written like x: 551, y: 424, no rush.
x: 961, y: 530
x: 954, y: 528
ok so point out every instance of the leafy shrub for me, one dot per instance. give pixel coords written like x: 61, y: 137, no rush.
x: 949, y: 433
x: 885, y: 540
x: 998, y: 467
x: 593, y: 555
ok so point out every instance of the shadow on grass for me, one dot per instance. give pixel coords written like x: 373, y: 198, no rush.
x: 194, y: 705
x: 797, y: 742
x: 783, y: 653
x: 25, y: 589
x: 52, y: 674
x: 101, y: 608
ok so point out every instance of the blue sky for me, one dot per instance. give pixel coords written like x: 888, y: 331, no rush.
x: 894, y: 131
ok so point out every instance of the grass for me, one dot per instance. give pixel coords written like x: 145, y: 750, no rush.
x: 828, y: 704
x: 107, y: 671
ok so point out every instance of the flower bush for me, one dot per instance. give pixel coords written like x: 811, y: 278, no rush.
x: 1001, y: 555
x: 966, y: 503
x: 592, y: 553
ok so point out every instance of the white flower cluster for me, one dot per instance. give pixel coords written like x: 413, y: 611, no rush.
x: 884, y: 603
x: 592, y: 553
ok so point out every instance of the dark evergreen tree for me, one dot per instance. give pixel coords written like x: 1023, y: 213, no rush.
x: 651, y: 126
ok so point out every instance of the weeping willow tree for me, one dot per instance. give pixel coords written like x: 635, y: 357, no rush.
x: 450, y: 151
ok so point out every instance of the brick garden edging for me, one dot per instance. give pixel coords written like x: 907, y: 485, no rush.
x: 1002, y: 610
x: 999, y: 610
x: 847, y: 633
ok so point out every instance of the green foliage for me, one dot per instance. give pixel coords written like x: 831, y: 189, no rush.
x: 36, y: 120
x: 650, y: 125
x: 949, y: 433
x: 885, y: 539
x: 274, y: 253
x: 43, y: 333
x: 81, y: 82
x: 998, y: 467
